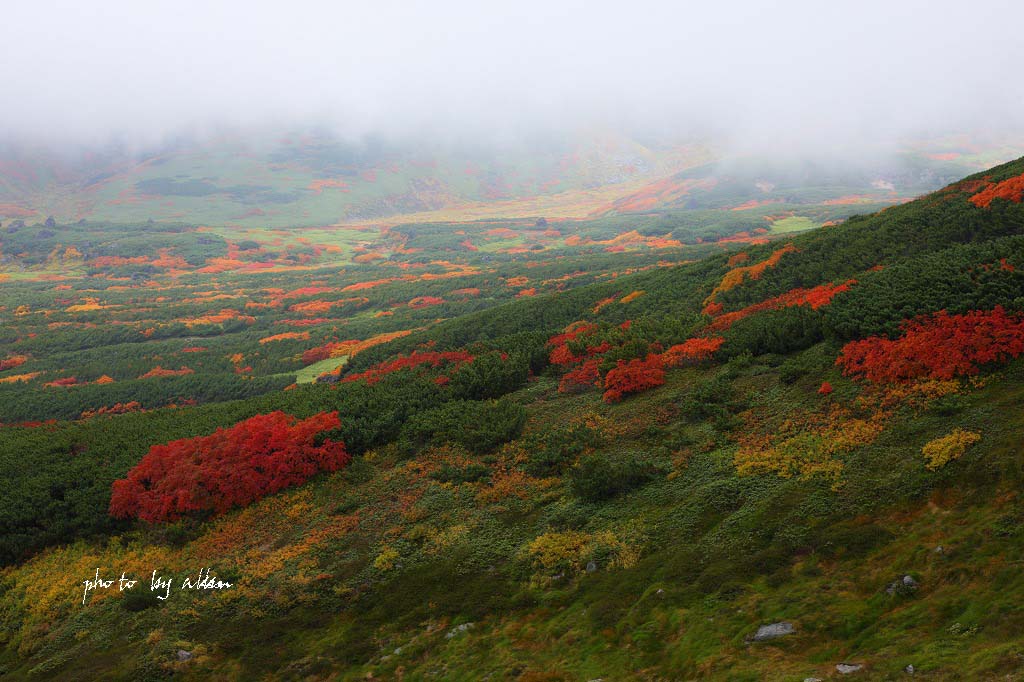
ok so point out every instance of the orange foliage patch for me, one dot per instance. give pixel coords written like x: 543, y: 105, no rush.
x: 350, y: 348
x: 304, y: 291
x: 284, y: 336
x: 1011, y: 190
x: 90, y: 304
x: 755, y: 203
x: 815, y: 298
x: 318, y: 307
x: 941, y: 347
x: 502, y: 232
x: 319, y: 186
x: 634, y: 376
x: 116, y: 408
x: 19, y: 377
x: 159, y: 371
x: 425, y: 301
x: 602, y: 304
x: 12, y: 362
x: 736, y: 259
x: 691, y: 351
x: 360, y: 286
x: 850, y: 199
x: 115, y: 261
x: 415, y: 359
x: 305, y: 323
x: 217, y: 318
x: 737, y: 276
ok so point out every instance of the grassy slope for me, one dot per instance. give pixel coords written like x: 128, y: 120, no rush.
x: 369, y: 570
x: 708, y: 576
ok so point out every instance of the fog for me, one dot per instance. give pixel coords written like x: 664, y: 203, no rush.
x: 775, y: 75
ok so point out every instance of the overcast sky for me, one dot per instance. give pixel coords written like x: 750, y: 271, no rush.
x: 767, y: 70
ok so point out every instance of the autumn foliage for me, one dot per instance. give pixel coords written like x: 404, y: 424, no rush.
x: 230, y: 467
x: 735, y: 277
x: 633, y: 377
x: 815, y: 297
x: 1011, y: 190
x: 12, y: 362
x: 583, y: 377
x: 942, y: 346
x: 415, y: 359
x: 691, y: 351
x: 159, y: 371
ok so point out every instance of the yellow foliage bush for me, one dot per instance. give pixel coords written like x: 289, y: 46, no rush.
x: 385, y: 561
x: 559, y: 550
x: 942, y: 450
x: 571, y: 550
x: 807, y: 444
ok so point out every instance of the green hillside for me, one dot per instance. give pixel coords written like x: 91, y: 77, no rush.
x: 790, y: 457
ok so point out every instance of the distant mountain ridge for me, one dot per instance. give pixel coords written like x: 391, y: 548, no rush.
x: 301, y: 179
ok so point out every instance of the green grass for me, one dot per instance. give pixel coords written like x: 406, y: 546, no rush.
x: 793, y: 224
x: 309, y: 373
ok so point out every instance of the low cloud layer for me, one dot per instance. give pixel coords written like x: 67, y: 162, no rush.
x: 772, y: 74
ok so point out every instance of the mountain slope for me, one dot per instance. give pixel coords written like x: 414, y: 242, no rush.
x: 626, y: 481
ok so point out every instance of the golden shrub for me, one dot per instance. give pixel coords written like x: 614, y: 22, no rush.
x: 948, y: 448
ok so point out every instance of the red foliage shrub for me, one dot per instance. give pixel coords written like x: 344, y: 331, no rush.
x: 573, y: 332
x: 816, y: 298
x: 424, y: 301
x: 691, y: 350
x: 317, y: 354
x: 633, y: 377
x: 1011, y: 190
x: 825, y: 388
x: 561, y: 355
x: 581, y: 378
x: 234, y: 466
x: 12, y: 362
x: 416, y: 359
x: 159, y: 371
x: 941, y: 346
x: 116, y: 408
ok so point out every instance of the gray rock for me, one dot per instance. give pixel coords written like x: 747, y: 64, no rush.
x: 184, y: 655
x: 458, y: 630
x: 909, y: 669
x: 847, y: 668
x: 812, y: 679
x: 772, y: 631
x: 591, y: 567
x: 904, y: 585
